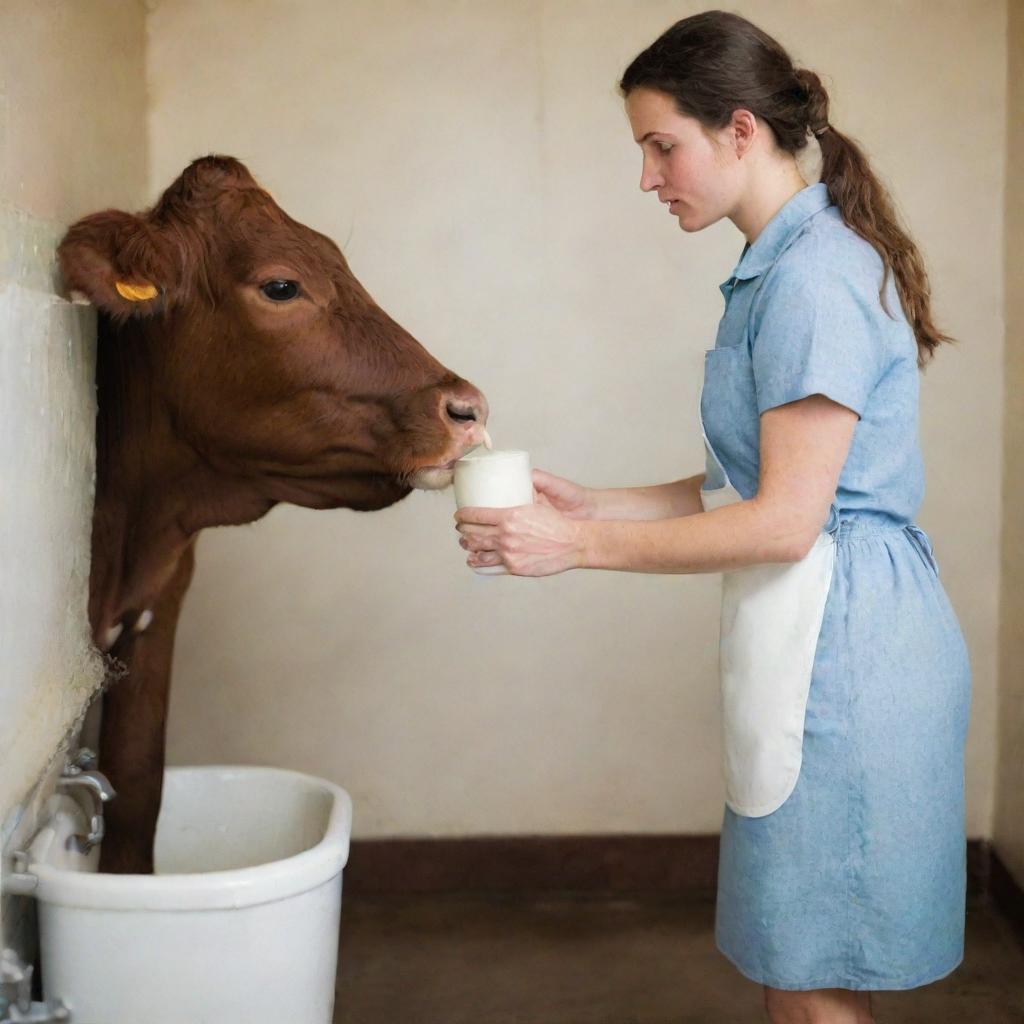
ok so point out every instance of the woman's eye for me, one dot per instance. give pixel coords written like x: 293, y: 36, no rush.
x: 280, y: 291
x: 665, y: 147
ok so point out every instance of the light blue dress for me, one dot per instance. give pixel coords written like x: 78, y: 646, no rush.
x: 858, y: 879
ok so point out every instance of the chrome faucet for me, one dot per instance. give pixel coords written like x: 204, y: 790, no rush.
x: 81, y: 771
x: 93, y: 779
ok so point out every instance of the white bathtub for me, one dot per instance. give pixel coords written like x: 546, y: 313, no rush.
x: 239, y: 925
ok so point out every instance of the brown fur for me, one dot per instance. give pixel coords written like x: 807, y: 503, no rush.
x: 215, y: 404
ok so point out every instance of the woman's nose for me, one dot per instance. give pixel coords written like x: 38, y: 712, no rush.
x: 649, y: 178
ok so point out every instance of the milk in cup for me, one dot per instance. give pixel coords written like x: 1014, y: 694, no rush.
x: 493, y: 479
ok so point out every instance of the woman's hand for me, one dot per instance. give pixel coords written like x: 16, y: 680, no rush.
x: 572, y: 500
x: 531, y: 540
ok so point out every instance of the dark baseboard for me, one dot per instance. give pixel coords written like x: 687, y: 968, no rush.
x: 670, y: 864
x: 1006, y: 894
x: 665, y: 863
x: 979, y: 868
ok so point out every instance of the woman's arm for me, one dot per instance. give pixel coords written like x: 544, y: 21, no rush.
x: 802, y: 450
x: 659, y: 501
x: 744, y: 533
x: 803, y: 447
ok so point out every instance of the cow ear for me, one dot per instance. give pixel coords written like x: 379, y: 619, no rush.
x: 115, y: 260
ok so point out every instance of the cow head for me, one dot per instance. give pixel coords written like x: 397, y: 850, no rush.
x: 272, y: 360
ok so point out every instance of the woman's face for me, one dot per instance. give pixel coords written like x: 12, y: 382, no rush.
x: 690, y: 172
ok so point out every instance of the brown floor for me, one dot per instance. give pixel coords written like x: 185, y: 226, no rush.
x: 575, y: 959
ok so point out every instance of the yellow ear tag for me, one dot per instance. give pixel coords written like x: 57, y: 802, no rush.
x: 135, y: 292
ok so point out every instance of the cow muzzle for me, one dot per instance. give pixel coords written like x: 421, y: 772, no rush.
x: 463, y: 410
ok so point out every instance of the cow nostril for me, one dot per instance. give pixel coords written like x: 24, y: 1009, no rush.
x: 460, y: 415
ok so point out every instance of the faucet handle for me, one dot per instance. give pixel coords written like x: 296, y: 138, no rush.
x: 81, y: 760
x: 83, y: 844
x: 101, y: 791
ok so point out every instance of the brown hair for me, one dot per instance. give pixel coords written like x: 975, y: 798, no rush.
x: 714, y: 63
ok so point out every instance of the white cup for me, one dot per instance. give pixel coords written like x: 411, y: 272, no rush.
x: 493, y: 479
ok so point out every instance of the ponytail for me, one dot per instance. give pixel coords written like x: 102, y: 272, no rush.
x: 866, y: 208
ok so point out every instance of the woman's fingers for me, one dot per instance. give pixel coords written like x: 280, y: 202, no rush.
x: 531, y: 540
x: 546, y: 483
x: 472, y: 530
x: 480, y: 516
x: 560, y: 494
x: 480, y: 530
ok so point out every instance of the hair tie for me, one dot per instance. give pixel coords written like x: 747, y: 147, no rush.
x: 821, y: 131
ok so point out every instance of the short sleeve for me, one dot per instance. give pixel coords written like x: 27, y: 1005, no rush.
x: 815, y: 331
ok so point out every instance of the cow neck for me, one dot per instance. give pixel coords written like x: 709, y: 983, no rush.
x: 154, y: 490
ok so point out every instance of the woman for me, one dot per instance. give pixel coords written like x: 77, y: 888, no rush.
x: 845, y: 678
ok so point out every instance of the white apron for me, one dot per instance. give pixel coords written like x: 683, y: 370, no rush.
x: 771, y: 618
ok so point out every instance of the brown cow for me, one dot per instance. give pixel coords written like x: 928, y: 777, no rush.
x: 239, y: 364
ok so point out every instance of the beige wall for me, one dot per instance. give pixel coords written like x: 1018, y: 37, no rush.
x: 72, y: 140
x: 474, y: 161
x: 1008, y: 829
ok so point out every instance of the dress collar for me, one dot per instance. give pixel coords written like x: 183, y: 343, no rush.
x: 757, y: 258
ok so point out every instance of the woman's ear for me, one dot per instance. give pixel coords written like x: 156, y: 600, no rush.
x: 115, y: 260
x: 743, y: 127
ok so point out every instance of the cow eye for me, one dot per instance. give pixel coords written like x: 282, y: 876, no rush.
x: 280, y: 291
